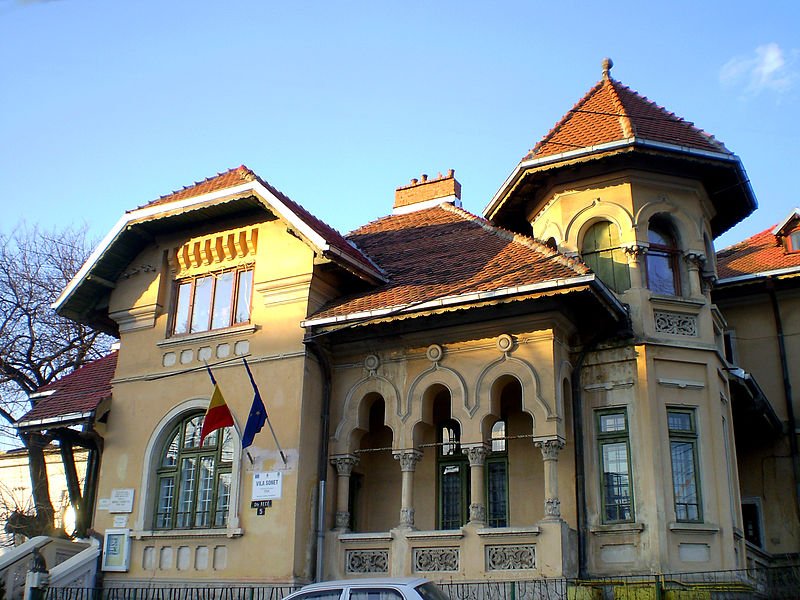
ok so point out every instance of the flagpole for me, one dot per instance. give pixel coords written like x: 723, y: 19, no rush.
x: 266, y: 413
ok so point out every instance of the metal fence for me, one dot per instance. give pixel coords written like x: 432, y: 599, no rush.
x: 778, y: 582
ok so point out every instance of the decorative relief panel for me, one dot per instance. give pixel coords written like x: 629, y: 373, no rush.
x: 510, y: 557
x: 367, y: 561
x: 675, y: 323
x: 214, y: 249
x: 436, y: 559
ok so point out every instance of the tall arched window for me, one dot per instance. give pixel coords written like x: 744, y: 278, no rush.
x: 497, y: 478
x: 602, y: 253
x: 193, y: 480
x: 663, y: 269
x: 453, y: 475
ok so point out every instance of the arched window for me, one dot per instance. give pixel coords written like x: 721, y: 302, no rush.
x: 497, y: 478
x: 193, y: 481
x: 663, y: 270
x: 602, y: 253
x: 453, y: 475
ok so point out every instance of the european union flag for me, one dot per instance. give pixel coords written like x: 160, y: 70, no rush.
x: 258, y: 413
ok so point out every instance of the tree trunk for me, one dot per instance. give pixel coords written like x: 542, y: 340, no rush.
x: 45, y: 514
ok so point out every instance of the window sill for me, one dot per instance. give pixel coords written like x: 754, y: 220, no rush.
x: 617, y: 528
x: 508, y: 531
x: 688, y: 304
x: 189, y: 338
x: 187, y: 534
x: 366, y: 537
x: 699, y: 528
x: 437, y: 534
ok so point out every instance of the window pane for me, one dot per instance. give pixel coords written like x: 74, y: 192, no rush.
x: 227, y: 445
x: 794, y: 242
x: 375, y: 595
x: 223, y: 296
x: 684, y: 481
x: 223, y: 499
x: 680, y: 421
x: 243, y: 296
x: 205, y: 492
x: 450, y: 440
x: 202, y: 303
x: 612, y: 422
x: 660, y: 274
x: 616, y: 482
x: 171, y: 455
x: 498, y: 493
x: 182, y: 308
x: 187, y: 493
x: 191, y: 436
x: 166, y: 494
x: 499, y: 437
x: 451, y: 496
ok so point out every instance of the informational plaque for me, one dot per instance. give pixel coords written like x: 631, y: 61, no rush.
x: 116, y: 550
x: 267, y: 485
x: 121, y: 500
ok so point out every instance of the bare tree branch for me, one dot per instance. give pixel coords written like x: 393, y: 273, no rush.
x: 37, y: 346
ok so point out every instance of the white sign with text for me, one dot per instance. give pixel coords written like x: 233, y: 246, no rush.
x: 267, y: 485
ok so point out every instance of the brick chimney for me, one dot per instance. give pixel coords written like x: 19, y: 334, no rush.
x: 426, y: 193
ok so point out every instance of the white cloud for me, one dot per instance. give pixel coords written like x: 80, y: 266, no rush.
x: 766, y: 69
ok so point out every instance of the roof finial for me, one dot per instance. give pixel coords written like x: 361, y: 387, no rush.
x: 607, y: 64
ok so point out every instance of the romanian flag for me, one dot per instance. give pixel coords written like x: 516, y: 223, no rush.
x: 217, y: 415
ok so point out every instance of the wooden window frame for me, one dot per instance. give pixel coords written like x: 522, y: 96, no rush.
x: 169, y: 519
x: 232, y: 305
x: 670, y: 252
x: 604, y: 438
x: 685, y: 436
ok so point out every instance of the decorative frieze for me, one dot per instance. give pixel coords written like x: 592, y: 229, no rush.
x: 675, y: 323
x: 367, y: 561
x: 510, y: 557
x: 436, y: 560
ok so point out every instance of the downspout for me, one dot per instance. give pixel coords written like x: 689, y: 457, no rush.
x: 322, y: 459
x: 577, y: 426
x: 787, y: 389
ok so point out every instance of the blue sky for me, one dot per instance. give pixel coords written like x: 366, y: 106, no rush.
x: 107, y: 105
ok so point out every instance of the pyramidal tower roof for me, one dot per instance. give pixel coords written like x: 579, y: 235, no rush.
x: 612, y: 112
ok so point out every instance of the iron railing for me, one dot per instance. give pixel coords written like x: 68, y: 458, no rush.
x: 763, y: 583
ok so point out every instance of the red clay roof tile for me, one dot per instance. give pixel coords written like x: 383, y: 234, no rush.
x: 757, y: 254
x: 242, y: 174
x: 446, y: 251
x: 80, y: 391
x: 610, y: 112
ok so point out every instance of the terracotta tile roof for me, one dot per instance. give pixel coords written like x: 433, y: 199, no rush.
x: 612, y: 112
x: 80, y: 391
x: 445, y: 251
x: 757, y: 254
x: 242, y: 174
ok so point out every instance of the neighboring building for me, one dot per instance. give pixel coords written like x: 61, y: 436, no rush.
x: 15, y: 489
x: 759, y: 295
x: 540, y: 392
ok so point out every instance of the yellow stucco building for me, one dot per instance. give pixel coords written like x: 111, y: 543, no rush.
x: 539, y: 392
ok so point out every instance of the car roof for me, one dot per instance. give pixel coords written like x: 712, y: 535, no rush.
x: 368, y: 582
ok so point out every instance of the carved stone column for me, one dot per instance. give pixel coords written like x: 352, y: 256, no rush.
x: 477, y: 460
x: 344, y: 464
x: 637, y: 266
x: 694, y: 265
x: 550, y: 450
x: 408, y: 463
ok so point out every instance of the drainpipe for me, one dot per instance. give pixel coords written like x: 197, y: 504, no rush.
x: 577, y: 426
x: 787, y: 389
x: 322, y: 460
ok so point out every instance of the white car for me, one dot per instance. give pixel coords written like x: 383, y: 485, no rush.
x: 380, y: 588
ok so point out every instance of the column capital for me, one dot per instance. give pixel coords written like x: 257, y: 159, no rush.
x: 344, y: 464
x: 408, y: 459
x: 476, y: 453
x: 635, y: 251
x: 549, y: 448
x: 343, y: 521
x: 694, y: 260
